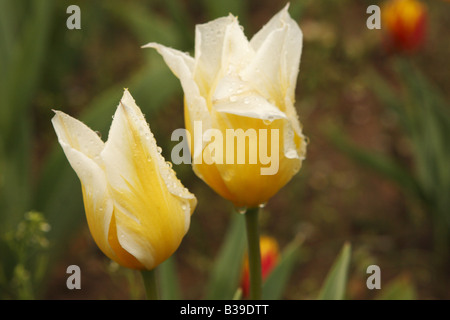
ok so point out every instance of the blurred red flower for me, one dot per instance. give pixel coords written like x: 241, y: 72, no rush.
x: 405, y: 23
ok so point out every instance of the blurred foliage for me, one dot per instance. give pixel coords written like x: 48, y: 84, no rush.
x: 424, y: 116
x: 83, y: 72
x: 26, y: 247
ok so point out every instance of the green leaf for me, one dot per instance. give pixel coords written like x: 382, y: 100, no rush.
x: 224, y: 278
x: 336, y: 280
x: 274, y: 285
x: 380, y: 163
x: 24, y: 35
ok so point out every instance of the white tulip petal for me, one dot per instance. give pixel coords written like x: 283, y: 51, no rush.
x: 182, y: 66
x: 275, y: 23
x: 82, y: 147
x: 171, y: 55
x: 209, y: 42
x: 237, y: 52
x: 252, y: 106
x: 264, y: 72
x: 284, y: 55
x: 292, y: 51
x: 77, y: 135
x: 230, y: 86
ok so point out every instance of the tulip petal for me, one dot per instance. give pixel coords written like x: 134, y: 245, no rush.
x: 209, y: 40
x: 82, y: 148
x: 265, y: 72
x: 77, y: 135
x: 236, y: 52
x: 152, y: 208
x: 275, y: 23
x: 182, y: 67
x: 252, y: 106
x: 278, y: 47
x: 235, y: 96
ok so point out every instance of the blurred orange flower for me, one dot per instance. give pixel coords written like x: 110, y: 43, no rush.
x: 405, y: 22
x: 269, y: 258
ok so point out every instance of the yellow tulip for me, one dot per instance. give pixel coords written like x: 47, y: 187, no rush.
x: 243, y: 92
x: 136, y: 208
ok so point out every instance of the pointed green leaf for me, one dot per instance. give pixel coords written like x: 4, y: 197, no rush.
x: 274, y: 285
x: 336, y: 280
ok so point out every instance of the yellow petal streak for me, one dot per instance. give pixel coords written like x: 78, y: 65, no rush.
x: 151, y: 221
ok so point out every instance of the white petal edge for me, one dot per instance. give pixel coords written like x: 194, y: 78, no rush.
x: 181, y: 66
x: 91, y: 175
x: 209, y: 42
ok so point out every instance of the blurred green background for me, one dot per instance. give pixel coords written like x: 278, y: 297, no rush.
x: 377, y: 171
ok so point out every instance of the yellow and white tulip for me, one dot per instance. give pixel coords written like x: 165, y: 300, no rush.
x: 137, y: 210
x: 235, y: 84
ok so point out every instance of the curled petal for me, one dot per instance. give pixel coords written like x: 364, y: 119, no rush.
x: 82, y: 148
x: 152, y: 208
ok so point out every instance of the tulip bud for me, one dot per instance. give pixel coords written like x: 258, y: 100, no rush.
x: 269, y: 259
x: 246, y: 140
x: 405, y: 24
x: 137, y: 210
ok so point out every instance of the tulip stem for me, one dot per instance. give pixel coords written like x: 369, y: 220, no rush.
x: 150, y: 284
x: 254, y: 253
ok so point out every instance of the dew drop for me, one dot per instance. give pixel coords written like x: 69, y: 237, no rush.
x: 233, y: 98
x: 291, y: 154
x: 227, y: 175
x: 159, y: 149
x: 169, y: 164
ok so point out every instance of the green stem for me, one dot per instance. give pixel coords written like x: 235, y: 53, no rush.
x: 150, y: 284
x: 254, y: 254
